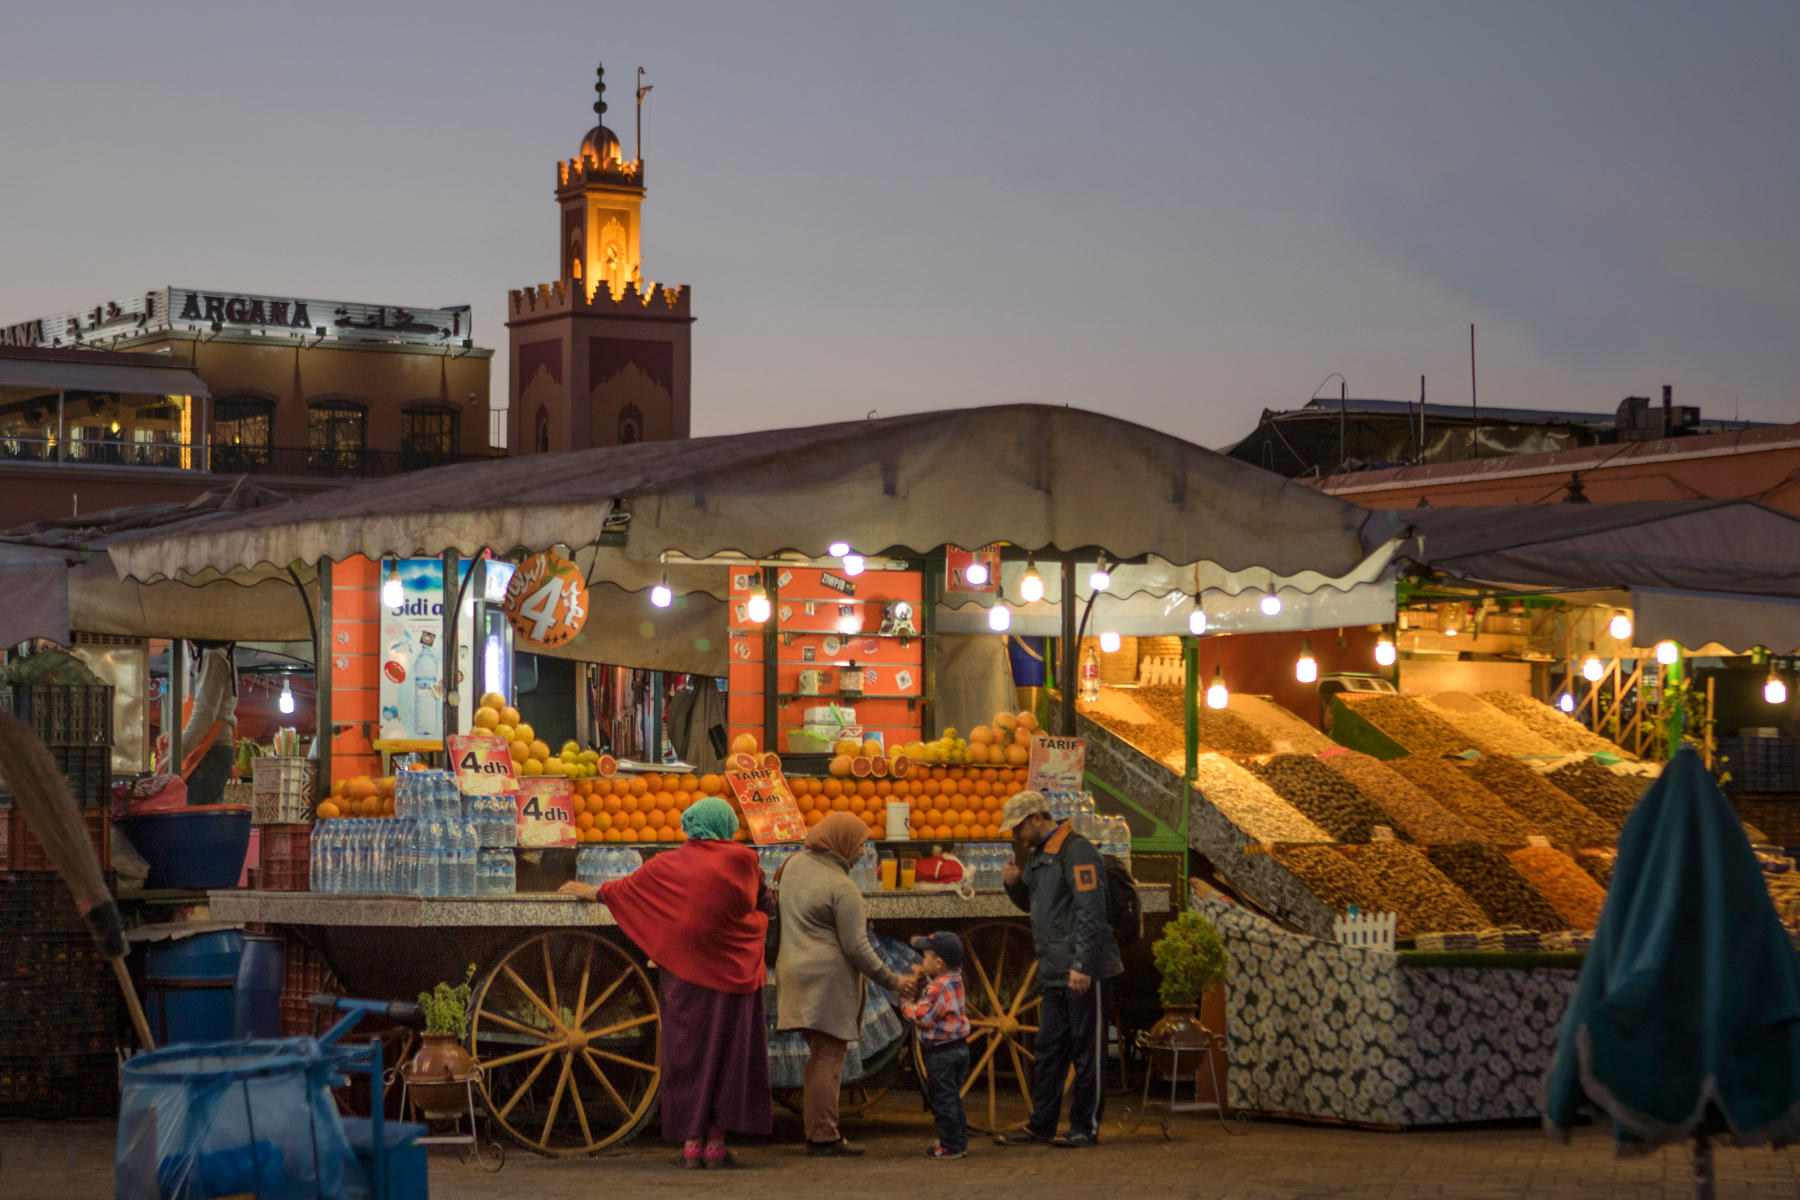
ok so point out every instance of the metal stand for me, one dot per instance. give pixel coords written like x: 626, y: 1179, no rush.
x: 490, y: 1159
x: 1130, y: 1119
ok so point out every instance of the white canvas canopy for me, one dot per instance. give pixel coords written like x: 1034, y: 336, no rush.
x: 1036, y: 476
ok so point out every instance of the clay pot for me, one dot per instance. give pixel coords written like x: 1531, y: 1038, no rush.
x: 437, y: 1078
x: 1179, y: 1028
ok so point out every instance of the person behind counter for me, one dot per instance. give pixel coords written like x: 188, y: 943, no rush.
x: 209, y: 739
x: 824, y: 949
x: 701, y: 913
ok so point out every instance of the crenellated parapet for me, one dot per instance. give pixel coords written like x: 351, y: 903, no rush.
x: 576, y: 172
x: 547, y: 298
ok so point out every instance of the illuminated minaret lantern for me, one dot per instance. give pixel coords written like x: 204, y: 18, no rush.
x: 600, y: 357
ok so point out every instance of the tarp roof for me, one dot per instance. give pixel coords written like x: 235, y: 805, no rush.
x: 1735, y: 546
x: 1034, y: 475
x: 145, y: 377
x: 59, y: 579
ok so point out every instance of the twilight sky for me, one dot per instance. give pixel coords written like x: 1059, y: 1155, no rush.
x: 1178, y: 213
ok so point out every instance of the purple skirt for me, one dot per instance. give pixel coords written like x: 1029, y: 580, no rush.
x: 715, y: 1061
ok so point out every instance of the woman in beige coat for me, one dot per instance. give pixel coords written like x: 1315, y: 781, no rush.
x: 825, y: 951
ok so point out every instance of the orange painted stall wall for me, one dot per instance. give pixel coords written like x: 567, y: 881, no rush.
x: 355, y: 666
x: 897, y: 664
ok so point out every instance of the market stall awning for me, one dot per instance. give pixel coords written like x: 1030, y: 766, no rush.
x: 149, y: 379
x: 1734, y: 546
x: 1033, y: 475
x: 58, y: 579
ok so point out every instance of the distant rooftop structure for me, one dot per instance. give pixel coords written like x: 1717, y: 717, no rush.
x: 1327, y: 437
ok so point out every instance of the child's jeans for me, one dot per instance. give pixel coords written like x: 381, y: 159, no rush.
x: 946, y: 1069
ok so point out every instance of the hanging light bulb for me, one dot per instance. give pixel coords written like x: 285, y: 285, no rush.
x: 1386, y: 654
x: 1109, y: 642
x: 757, y: 607
x: 1668, y: 653
x: 1197, y: 619
x: 1774, y: 688
x: 660, y: 595
x: 393, y: 592
x: 285, y: 702
x: 1566, y: 702
x: 977, y: 573
x: 999, y: 618
x: 1270, y: 605
x: 838, y: 549
x: 1306, y: 667
x: 1100, y: 578
x: 1591, y: 666
x: 1216, y: 695
x: 853, y: 564
x: 1620, y: 625
x: 1031, y: 584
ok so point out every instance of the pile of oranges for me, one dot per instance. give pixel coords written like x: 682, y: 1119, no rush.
x: 641, y: 808
x: 359, y: 797
x: 950, y: 803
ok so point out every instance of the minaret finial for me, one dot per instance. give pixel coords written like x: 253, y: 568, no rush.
x: 600, y: 94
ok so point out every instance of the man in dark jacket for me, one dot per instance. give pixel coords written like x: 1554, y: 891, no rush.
x: 1063, y: 887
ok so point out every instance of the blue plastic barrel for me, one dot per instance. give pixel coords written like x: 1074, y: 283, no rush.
x: 256, y: 1000
x: 191, y: 985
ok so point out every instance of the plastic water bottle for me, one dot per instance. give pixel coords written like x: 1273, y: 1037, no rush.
x: 509, y: 878
x: 465, y: 861
x: 428, y: 719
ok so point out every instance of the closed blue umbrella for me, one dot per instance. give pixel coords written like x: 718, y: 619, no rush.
x: 1686, y: 1019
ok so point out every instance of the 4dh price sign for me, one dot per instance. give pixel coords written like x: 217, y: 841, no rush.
x: 768, y: 805
x: 546, y: 600
x: 482, y: 764
x: 546, y: 812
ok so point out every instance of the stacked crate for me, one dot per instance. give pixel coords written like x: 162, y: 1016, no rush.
x: 286, y: 858
x: 305, y: 978
x: 58, y: 1005
x: 75, y: 722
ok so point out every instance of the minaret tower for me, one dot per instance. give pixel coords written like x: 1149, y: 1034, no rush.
x: 600, y: 357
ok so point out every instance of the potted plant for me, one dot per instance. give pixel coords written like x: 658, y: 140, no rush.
x: 437, y: 1077
x: 1190, y: 956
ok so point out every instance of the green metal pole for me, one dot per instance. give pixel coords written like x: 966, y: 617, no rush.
x: 1190, y: 671
x: 1676, y: 724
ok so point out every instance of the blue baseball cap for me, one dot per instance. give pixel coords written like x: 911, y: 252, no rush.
x: 945, y: 944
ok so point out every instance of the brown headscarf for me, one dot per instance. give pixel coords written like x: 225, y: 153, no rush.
x: 840, y: 832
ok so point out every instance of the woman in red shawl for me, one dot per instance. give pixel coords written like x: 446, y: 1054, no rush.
x: 701, y: 913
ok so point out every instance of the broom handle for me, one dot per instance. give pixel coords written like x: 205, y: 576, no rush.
x: 123, y: 974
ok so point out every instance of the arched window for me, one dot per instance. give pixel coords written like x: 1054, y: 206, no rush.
x: 243, y: 433
x: 428, y: 436
x: 337, y: 432
x: 542, y: 438
x: 631, y: 425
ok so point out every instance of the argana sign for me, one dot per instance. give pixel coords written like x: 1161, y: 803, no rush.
x: 203, y: 308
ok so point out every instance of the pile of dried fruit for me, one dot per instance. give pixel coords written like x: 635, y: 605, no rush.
x: 1328, y: 799
x: 1565, y: 734
x: 1570, y: 890
x: 1604, y: 793
x: 1501, y: 732
x: 1285, y: 731
x: 1598, y: 864
x: 1407, y: 883
x: 1452, y: 787
x: 1248, y: 803
x: 1506, y: 896
x: 1152, y: 719
x: 1412, y: 725
x: 1424, y: 819
x: 1545, y: 809
x: 1334, y: 879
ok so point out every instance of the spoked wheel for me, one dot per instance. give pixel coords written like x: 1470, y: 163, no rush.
x: 1000, y: 981
x: 854, y: 1099
x: 567, y: 1032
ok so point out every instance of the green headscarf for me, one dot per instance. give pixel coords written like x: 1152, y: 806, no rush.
x: 710, y: 818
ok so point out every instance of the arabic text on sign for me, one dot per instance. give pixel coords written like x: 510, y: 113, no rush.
x: 546, y: 600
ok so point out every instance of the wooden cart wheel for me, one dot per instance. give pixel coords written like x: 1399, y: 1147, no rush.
x: 854, y: 1099
x: 1000, y: 982
x: 567, y: 1032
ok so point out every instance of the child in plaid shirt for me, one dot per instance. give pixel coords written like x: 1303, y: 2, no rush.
x: 943, y: 1027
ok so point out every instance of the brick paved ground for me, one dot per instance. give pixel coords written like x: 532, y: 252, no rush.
x: 72, y: 1161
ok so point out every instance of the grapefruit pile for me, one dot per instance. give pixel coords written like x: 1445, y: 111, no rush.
x: 530, y: 754
x: 1004, y: 743
x: 947, y: 803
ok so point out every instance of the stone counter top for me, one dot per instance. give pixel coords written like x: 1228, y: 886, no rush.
x: 550, y: 910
